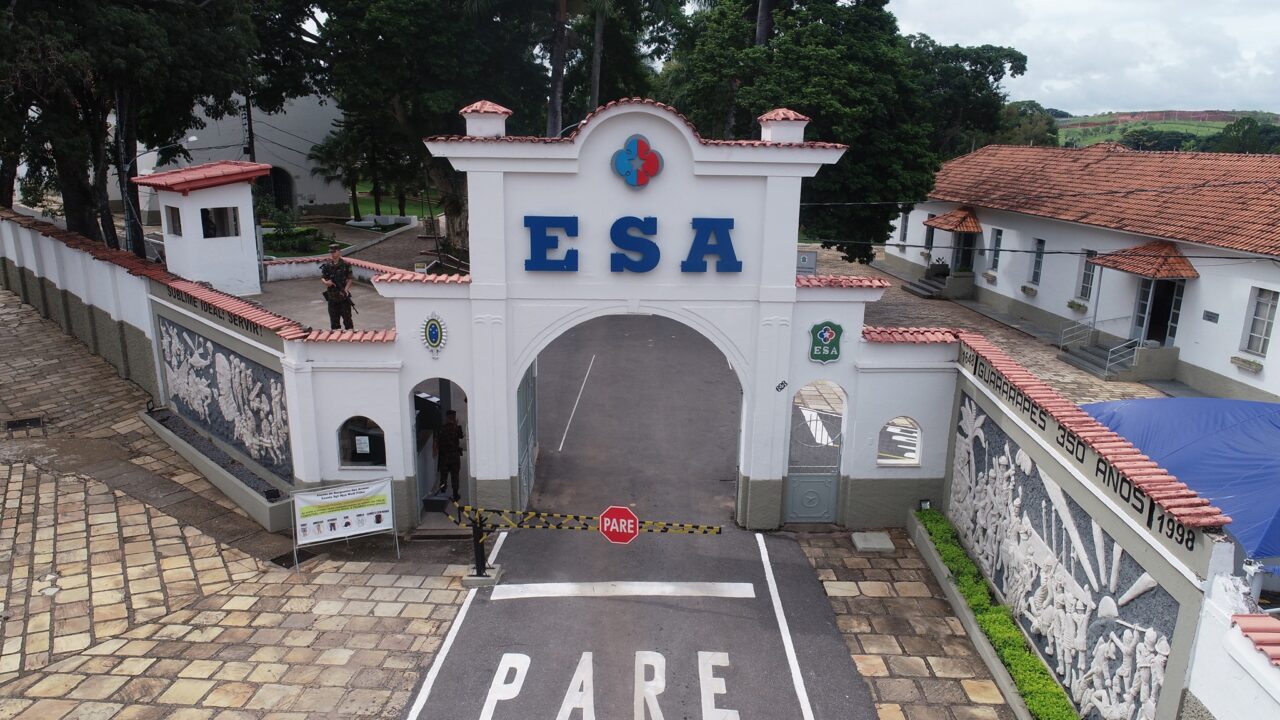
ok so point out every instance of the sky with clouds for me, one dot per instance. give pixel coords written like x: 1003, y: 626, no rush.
x: 1087, y: 56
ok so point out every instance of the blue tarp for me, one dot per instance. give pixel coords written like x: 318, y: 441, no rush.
x: 1228, y: 451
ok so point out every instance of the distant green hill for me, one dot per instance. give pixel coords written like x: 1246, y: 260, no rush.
x: 1091, y: 129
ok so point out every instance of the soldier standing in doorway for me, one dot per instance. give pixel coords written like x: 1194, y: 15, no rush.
x: 448, y: 452
x: 337, y: 277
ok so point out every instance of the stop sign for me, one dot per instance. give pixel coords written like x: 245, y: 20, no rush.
x: 619, y: 524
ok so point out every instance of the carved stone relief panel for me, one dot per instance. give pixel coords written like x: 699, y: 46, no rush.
x: 1100, y: 621
x: 228, y: 395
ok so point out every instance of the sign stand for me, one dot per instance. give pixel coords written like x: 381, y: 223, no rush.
x: 340, y: 512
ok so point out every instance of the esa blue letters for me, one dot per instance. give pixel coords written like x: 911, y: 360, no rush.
x: 636, y: 250
x: 540, y: 243
x: 628, y: 243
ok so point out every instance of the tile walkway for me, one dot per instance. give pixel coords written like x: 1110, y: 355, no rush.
x: 130, y: 587
x: 902, y: 633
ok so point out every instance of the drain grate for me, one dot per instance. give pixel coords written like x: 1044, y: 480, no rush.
x: 286, y: 560
x: 30, y: 423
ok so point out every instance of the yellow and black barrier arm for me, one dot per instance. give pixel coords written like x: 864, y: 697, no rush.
x: 484, y: 520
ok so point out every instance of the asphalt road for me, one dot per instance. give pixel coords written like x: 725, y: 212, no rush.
x: 655, y: 428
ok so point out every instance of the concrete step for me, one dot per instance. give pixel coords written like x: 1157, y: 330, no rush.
x: 929, y: 288
x: 1093, y: 360
x: 1087, y: 364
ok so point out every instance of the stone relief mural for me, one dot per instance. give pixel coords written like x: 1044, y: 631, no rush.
x: 237, y: 400
x: 1100, y: 621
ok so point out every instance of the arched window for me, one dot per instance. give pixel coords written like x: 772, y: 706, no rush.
x: 361, y: 443
x: 899, y: 442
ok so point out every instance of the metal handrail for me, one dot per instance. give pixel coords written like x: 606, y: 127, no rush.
x: 1124, y: 352
x: 1074, y: 333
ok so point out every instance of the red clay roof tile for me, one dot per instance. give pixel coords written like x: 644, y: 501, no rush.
x: 918, y: 335
x: 1160, y: 260
x: 840, y: 281
x: 1225, y: 200
x: 783, y: 115
x: 206, y: 175
x: 1134, y: 465
x: 484, y: 107
x: 633, y: 101
x: 959, y: 220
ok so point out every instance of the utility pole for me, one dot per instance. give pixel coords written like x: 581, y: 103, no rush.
x: 250, y: 146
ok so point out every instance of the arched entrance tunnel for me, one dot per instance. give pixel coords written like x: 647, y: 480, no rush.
x: 637, y: 410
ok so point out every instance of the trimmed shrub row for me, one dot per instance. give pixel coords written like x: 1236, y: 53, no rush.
x: 1041, y: 691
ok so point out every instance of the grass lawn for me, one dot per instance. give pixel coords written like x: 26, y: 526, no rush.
x: 413, y: 205
x: 1111, y: 133
x: 307, y: 245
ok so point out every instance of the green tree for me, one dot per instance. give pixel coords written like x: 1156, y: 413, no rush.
x: 338, y: 159
x: 398, y: 88
x: 1145, y: 138
x: 1245, y: 135
x: 962, y: 90
x: 1026, y: 123
x: 102, y: 77
x: 844, y: 65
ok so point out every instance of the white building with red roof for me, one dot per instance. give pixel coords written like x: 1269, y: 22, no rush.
x: 1147, y: 265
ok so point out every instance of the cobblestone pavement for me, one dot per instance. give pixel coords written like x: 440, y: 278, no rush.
x: 340, y: 640
x: 79, y: 395
x: 898, y: 307
x: 121, y: 595
x: 902, y: 634
x: 83, y: 563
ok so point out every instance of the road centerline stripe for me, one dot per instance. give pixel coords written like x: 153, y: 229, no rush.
x: 575, y: 403
x: 623, y: 589
x: 806, y: 710
x: 420, y: 701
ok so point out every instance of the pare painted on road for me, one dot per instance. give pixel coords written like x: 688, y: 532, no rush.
x: 579, y: 697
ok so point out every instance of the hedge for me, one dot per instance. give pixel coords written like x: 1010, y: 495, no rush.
x: 1043, y: 694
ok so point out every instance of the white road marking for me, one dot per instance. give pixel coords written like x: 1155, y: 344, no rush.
x: 806, y: 711
x: 647, y: 690
x: 575, y: 403
x: 421, y: 700
x: 624, y: 589
x: 501, y: 688
x: 581, y: 694
x: 711, y: 686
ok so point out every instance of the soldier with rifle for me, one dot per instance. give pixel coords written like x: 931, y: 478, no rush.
x: 337, y: 277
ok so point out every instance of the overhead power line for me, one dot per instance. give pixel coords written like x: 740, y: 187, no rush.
x: 1055, y: 196
x: 1003, y: 250
x: 260, y: 121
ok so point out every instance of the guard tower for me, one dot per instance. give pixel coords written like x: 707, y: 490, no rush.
x: 207, y: 215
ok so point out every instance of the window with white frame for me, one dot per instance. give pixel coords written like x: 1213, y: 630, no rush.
x: 997, y: 235
x: 928, y: 234
x: 902, y: 228
x: 1263, y: 317
x: 220, y: 222
x: 1085, y: 290
x: 173, y: 219
x: 899, y: 442
x: 1037, y: 262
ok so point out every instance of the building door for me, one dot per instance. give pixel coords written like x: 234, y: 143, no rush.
x: 962, y: 253
x: 1159, y: 305
x: 813, y: 468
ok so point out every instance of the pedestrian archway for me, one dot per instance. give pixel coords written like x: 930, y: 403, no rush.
x: 814, y: 453
x: 636, y: 410
x: 430, y: 402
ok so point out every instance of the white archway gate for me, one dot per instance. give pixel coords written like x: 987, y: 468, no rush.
x: 633, y: 214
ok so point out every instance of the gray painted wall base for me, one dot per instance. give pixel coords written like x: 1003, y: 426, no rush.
x: 759, y: 503
x: 274, y: 516
x: 999, y: 673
